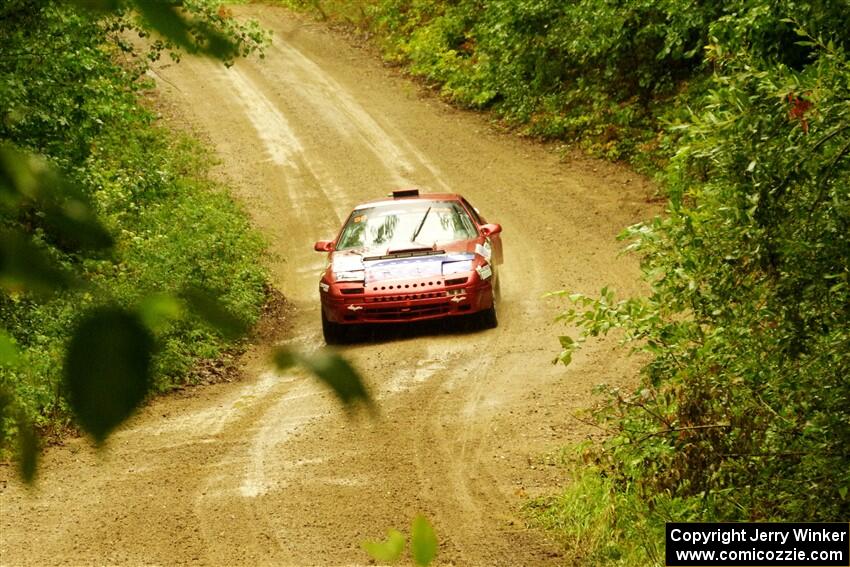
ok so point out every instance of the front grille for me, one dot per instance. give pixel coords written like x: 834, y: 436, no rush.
x: 406, y: 297
x: 455, y: 281
x: 352, y: 290
x: 396, y: 313
x: 407, y: 286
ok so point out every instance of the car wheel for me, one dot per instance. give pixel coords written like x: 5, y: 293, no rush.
x: 487, y: 319
x: 334, y: 333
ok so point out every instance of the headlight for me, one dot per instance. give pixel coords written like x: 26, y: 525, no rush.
x: 450, y: 268
x: 350, y: 276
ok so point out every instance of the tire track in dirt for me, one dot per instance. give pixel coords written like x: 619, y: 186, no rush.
x: 269, y: 471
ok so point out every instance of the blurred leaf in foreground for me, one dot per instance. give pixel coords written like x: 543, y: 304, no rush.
x: 107, y: 369
x: 195, y: 26
x: 158, y: 310
x: 27, y: 450
x: 25, y: 267
x: 8, y: 350
x: 193, y: 36
x: 29, y: 182
x: 27, y: 438
x: 387, y: 551
x: 208, y: 305
x: 333, y: 370
x: 423, y: 541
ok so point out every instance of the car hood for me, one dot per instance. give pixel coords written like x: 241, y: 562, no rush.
x: 372, y: 265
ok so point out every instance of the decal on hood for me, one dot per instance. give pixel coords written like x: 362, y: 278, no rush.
x: 417, y: 267
x: 408, y: 268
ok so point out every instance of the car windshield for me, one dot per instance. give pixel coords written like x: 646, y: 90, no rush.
x: 406, y: 225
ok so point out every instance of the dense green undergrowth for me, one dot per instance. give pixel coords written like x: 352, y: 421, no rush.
x: 743, y: 411
x: 742, y: 110
x: 73, y: 92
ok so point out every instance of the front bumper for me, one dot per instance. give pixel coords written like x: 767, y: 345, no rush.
x: 341, y: 306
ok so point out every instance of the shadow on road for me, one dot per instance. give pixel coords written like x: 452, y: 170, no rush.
x: 389, y: 332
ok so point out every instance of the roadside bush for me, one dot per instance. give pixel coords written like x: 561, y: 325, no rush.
x: 600, y: 523
x: 742, y: 410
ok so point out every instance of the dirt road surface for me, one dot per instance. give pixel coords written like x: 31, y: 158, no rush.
x: 268, y: 470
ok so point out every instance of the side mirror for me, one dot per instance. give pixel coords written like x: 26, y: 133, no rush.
x: 324, y: 246
x: 491, y: 229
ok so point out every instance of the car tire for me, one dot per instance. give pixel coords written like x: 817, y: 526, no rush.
x: 487, y: 319
x: 334, y: 333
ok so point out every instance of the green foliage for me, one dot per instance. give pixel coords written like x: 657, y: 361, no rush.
x: 742, y: 411
x: 387, y: 551
x: 107, y: 369
x: 332, y: 370
x: 201, y: 27
x: 600, y: 523
x: 423, y: 544
x: 27, y: 439
x: 27, y: 451
x: 30, y: 183
x: 423, y: 541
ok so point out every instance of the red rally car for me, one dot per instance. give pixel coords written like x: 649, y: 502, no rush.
x: 410, y: 257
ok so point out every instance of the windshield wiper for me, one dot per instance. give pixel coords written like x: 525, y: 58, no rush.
x: 421, y: 224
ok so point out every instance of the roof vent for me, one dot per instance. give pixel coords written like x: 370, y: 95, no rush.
x: 400, y: 193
